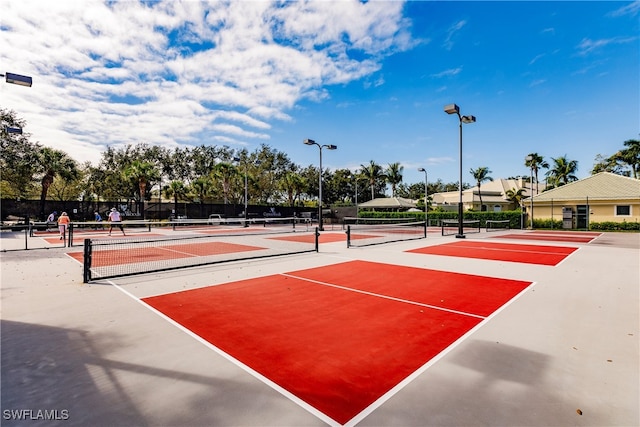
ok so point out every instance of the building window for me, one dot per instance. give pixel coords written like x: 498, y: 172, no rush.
x: 623, y: 210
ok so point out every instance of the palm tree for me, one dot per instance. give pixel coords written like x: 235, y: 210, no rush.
x: 534, y: 161
x: 141, y: 173
x: 563, y: 171
x: 515, y: 196
x: 176, y: 190
x: 373, y: 173
x: 630, y: 156
x: 53, y: 163
x: 394, y: 176
x: 481, y: 175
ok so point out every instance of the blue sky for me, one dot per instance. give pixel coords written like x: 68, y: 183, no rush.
x: 556, y: 78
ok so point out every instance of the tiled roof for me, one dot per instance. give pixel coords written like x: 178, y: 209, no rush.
x: 602, y: 186
x: 389, y: 202
x: 492, y: 191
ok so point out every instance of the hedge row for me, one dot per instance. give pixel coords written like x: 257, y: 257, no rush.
x: 615, y: 226
x: 514, y: 217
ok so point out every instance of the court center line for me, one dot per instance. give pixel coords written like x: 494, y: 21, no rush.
x: 166, y: 248
x: 435, y: 307
x: 508, y: 250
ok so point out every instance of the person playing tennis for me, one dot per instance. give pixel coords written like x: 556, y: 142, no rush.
x: 63, y: 223
x: 114, y: 219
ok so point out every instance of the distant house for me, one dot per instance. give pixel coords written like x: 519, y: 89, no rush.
x: 388, y: 204
x: 494, y: 196
x: 598, y: 198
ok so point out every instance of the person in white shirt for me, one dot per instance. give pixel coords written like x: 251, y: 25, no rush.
x: 114, y: 219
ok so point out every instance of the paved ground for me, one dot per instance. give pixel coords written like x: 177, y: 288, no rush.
x: 566, y: 352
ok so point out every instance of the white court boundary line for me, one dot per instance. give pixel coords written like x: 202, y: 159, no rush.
x: 510, y: 250
x: 309, y: 408
x: 233, y: 360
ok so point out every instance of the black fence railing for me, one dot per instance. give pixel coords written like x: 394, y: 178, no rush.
x: 24, y: 211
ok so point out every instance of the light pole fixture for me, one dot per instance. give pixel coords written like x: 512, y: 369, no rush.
x: 10, y: 129
x: 320, y: 147
x: 454, y: 109
x: 529, y: 160
x: 426, y: 198
x: 17, y: 79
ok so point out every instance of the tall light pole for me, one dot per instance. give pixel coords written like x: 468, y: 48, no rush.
x: 356, y: 200
x: 328, y: 147
x: 529, y: 160
x: 246, y: 191
x: 426, y: 198
x: 454, y: 109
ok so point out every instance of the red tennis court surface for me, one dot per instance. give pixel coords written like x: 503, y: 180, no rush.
x: 530, y: 254
x: 311, y: 238
x: 339, y: 337
x: 160, y: 253
x: 553, y: 236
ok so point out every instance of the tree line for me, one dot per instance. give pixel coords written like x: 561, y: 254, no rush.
x: 220, y: 174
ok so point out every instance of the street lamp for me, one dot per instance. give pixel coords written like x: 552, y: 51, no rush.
x: 529, y: 160
x: 426, y: 199
x: 328, y: 147
x: 17, y: 79
x: 454, y: 109
x: 10, y: 129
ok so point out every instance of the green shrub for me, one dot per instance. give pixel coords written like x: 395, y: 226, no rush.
x: 615, y: 226
x: 435, y: 217
x: 547, y: 223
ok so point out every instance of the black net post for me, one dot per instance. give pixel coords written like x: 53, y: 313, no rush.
x: 348, y: 236
x: 70, y: 234
x: 317, y: 234
x: 86, y: 274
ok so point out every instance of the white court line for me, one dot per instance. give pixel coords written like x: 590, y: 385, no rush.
x: 435, y: 307
x: 511, y: 250
x: 312, y: 410
x: 402, y: 384
x: 233, y: 360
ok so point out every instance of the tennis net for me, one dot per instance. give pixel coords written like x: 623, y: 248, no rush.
x: 452, y: 226
x: 79, y: 231
x: 497, y: 225
x: 105, y: 258
x: 367, y: 234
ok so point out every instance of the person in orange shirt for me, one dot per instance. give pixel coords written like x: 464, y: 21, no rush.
x: 63, y: 223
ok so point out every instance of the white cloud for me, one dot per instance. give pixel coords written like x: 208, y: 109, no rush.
x: 175, y: 71
x: 452, y: 32
x: 448, y: 73
x: 631, y: 9
x: 536, y: 58
x: 587, y: 45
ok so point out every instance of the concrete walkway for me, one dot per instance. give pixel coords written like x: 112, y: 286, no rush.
x: 566, y: 352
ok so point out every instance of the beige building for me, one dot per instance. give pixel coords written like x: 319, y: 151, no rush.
x: 598, y: 198
x: 494, y: 196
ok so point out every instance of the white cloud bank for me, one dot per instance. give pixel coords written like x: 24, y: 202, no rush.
x: 180, y: 72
